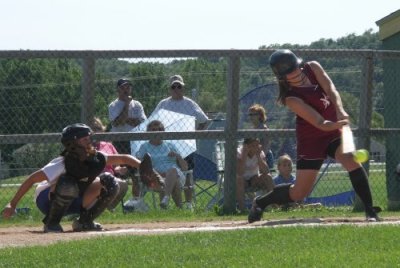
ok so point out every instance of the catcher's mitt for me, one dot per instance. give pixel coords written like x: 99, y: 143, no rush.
x: 148, y: 175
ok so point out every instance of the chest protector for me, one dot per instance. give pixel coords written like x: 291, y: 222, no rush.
x: 84, y: 171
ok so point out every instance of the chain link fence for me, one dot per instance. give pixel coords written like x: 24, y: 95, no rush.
x: 43, y: 91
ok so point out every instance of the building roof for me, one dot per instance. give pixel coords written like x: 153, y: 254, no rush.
x: 389, y: 25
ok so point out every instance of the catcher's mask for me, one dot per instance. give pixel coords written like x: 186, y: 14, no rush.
x: 70, y: 135
x: 283, y: 62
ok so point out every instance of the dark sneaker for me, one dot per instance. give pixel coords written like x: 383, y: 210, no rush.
x: 372, y: 215
x: 52, y: 228
x: 85, y: 227
x: 255, y: 213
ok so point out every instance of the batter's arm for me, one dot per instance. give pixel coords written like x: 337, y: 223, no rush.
x: 305, y: 111
x: 330, y: 89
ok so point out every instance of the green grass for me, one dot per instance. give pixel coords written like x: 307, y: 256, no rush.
x: 343, y: 246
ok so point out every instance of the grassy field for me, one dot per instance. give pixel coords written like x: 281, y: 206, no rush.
x: 342, y: 246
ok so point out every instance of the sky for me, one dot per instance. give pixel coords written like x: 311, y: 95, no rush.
x: 182, y: 24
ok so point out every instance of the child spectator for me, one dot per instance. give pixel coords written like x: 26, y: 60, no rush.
x: 285, y: 168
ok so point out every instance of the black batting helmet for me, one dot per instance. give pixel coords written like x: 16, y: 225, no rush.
x: 283, y: 62
x: 75, y: 131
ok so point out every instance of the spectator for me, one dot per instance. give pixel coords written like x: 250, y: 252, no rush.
x: 108, y: 148
x: 168, y: 162
x: 258, y: 118
x: 285, y: 168
x: 252, y: 171
x: 179, y: 103
x: 125, y: 113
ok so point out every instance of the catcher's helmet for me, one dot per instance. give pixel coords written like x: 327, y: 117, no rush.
x: 283, y: 62
x: 75, y: 131
x: 122, y: 82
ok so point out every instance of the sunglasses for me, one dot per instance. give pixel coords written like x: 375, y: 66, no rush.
x: 252, y: 114
x: 176, y: 86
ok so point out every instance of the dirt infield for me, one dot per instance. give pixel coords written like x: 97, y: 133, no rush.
x: 30, y: 236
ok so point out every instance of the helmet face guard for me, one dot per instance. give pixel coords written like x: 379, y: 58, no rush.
x: 284, y: 62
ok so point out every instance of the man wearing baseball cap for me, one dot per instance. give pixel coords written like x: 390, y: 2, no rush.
x: 125, y: 113
x: 179, y: 103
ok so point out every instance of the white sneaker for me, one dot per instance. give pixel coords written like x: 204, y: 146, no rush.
x: 136, y: 204
x: 164, y: 202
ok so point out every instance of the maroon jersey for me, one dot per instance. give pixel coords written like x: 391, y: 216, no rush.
x: 311, y: 141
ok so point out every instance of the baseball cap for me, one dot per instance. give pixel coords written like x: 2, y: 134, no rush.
x: 122, y: 82
x: 176, y: 79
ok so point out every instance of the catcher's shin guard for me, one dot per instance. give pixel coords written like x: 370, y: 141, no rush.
x: 108, y: 193
x: 65, y: 192
x: 123, y: 188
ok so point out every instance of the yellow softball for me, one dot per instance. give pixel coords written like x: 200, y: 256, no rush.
x: 361, y: 156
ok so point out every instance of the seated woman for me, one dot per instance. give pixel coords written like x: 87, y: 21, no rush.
x: 252, y: 170
x: 258, y: 119
x: 167, y: 161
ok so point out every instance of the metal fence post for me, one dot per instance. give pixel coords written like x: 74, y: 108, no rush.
x: 231, y: 135
x: 88, y: 78
x: 365, y: 115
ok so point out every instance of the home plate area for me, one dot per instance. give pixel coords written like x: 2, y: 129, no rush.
x: 240, y: 225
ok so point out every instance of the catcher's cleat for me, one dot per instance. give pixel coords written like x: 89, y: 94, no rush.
x: 87, y: 226
x: 148, y: 175
x: 255, y: 213
x: 52, y: 228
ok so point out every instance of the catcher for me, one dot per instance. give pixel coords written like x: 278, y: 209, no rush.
x: 73, y: 183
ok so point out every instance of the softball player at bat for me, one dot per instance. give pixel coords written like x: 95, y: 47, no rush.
x: 307, y: 90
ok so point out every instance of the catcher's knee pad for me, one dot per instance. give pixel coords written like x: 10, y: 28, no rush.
x: 109, y: 183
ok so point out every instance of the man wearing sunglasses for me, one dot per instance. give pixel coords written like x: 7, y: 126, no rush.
x: 179, y: 103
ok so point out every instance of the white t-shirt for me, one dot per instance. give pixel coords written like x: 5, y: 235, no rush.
x: 135, y: 110
x: 251, y: 167
x: 54, y: 169
x: 184, y: 106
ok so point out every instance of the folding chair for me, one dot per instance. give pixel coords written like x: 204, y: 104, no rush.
x: 210, y: 171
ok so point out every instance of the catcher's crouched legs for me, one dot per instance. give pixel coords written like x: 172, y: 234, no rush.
x: 65, y: 192
x: 109, y: 191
